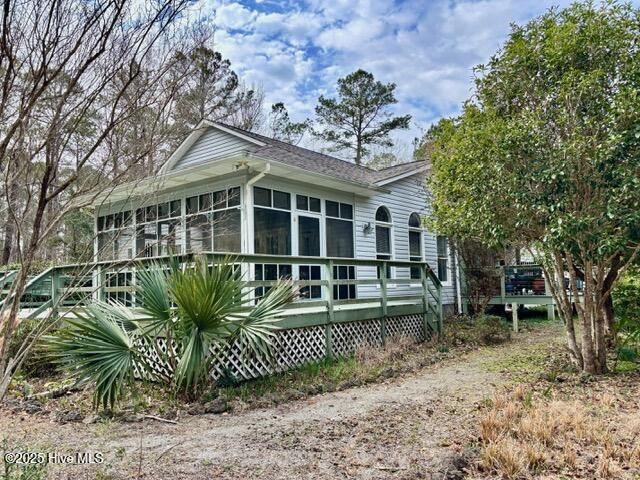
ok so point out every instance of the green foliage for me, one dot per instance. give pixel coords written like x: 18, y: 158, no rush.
x: 626, y: 305
x: 359, y: 117
x: 548, y: 152
x: 492, y: 329
x: 106, y: 341
x: 282, y: 128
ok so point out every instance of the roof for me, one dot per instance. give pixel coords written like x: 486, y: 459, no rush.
x: 271, y: 149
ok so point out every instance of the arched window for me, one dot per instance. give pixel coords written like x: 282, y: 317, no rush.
x: 415, y: 243
x: 383, y: 237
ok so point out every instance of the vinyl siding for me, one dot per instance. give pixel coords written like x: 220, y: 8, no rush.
x: 407, y: 195
x: 212, y: 143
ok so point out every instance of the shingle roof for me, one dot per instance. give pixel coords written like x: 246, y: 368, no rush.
x: 319, y: 162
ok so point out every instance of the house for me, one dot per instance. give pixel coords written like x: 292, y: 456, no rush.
x: 229, y: 190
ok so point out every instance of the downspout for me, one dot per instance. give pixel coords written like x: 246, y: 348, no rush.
x: 458, y: 293
x: 248, y: 207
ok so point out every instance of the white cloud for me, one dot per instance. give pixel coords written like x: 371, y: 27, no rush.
x: 297, y: 51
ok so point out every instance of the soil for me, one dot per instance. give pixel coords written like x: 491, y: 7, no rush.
x: 420, y: 425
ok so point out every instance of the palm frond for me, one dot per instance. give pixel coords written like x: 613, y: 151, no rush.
x: 152, y: 292
x: 94, y: 347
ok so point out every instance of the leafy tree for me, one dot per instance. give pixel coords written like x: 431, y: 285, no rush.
x: 548, y: 154
x: 282, y: 128
x: 359, y: 117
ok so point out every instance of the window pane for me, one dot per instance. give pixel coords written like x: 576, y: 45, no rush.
x: 339, y: 238
x: 309, y: 236
x: 163, y: 210
x: 414, y: 220
x: 176, y: 208
x: 233, y: 197
x: 302, y: 202
x: 314, y: 204
x: 441, y: 245
x: 443, y: 269
x: 219, y: 200
x: 140, y: 215
x: 272, y: 231
x: 332, y: 208
x: 414, y: 244
x: 117, y: 220
x: 346, y: 211
x: 146, y: 240
x: 226, y: 231
x: 382, y: 215
x: 105, y: 246
x: 199, y: 234
x: 383, y: 240
x: 281, y: 200
x: 126, y: 220
x: 100, y: 224
x: 108, y: 222
x: 192, y: 205
x: 205, y: 202
x: 168, y: 237
x: 151, y: 213
x: 262, y: 196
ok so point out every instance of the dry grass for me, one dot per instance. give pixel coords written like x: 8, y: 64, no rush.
x: 522, y: 436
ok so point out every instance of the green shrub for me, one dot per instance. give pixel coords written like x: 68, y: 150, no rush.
x: 492, y: 330
x: 626, y: 305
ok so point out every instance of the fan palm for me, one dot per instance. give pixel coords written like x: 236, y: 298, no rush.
x: 194, y: 306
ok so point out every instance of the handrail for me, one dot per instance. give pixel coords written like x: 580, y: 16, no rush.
x: 31, y: 282
x: 101, y: 271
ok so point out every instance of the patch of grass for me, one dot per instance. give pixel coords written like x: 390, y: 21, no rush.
x: 625, y: 366
x: 523, y: 438
x: 16, y: 471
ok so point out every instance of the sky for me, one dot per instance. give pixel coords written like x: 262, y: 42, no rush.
x: 297, y: 50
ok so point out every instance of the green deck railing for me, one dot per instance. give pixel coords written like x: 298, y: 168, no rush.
x: 63, y: 287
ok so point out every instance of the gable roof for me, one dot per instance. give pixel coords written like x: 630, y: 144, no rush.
x: 267, y: 148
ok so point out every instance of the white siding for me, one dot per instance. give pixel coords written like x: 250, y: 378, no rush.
x: 407, y: 196
x: 212, y: 143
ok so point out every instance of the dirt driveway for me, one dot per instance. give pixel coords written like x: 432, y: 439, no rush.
x: 408, y: 427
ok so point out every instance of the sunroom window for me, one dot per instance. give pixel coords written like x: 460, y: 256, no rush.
x: 213, y: 221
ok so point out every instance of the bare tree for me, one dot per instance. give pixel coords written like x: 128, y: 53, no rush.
x: 66, y: 72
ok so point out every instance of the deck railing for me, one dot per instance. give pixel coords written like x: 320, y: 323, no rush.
x: 64, y: 287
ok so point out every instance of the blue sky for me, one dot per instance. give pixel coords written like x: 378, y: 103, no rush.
x: 297, y: 50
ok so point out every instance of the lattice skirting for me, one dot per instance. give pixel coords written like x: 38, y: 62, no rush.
x: 295, y: 347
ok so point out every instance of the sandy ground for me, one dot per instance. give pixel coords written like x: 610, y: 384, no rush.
x: 405, y: 428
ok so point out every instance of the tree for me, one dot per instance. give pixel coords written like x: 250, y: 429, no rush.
x: 282, y: 128
x: 65, y: 83
x: 359, y: 117
x: 548, y: 154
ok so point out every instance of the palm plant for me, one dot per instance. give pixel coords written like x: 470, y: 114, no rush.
x: 193, y: 306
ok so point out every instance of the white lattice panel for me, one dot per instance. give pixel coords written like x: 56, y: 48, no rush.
x: 411, y: 326
x: 348, y: 337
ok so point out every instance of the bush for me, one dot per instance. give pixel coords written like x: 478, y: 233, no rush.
x: 626, y: 305
x: 492, y: 330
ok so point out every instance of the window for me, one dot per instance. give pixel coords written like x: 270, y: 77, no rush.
x: 115, y: 235
x: 213, y: 221
x: 415, y: 243
x: 339, y: 229
x: 344, y: 272
x: 310, y: 272
x: 309, y: 236
x: 272, y: 222
x: 309, y: 204
x: 158, y: 229
x: 271, y: 271
x: 442, y: 246
x: 383, y: 237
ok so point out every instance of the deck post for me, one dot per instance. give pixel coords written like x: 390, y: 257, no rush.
x: 55, y: 291
x: 503, y: 288
x: 383, y: 300
x: 328, y: 333
x: 551, y: 312
x: 514, y: 316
